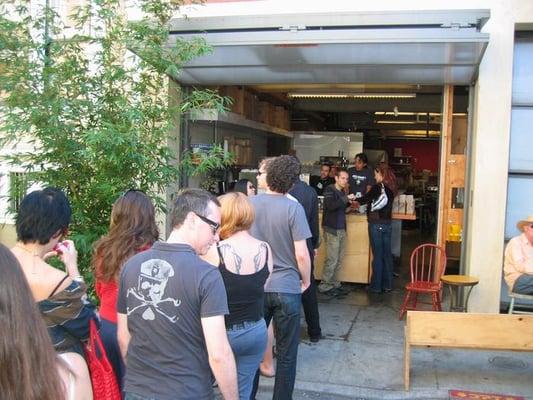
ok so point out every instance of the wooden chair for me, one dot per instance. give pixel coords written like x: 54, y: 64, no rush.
x: 428, y: 263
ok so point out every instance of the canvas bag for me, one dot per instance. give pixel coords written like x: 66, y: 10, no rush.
x: 381, y: 201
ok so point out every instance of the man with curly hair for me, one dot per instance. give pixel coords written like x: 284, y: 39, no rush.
x: 281, y: 222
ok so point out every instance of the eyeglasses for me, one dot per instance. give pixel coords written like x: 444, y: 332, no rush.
x: 212, y: 224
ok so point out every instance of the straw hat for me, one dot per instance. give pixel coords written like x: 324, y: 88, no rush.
x: 520, y: 224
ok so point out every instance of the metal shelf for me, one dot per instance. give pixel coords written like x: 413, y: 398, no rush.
x: 232, y: 119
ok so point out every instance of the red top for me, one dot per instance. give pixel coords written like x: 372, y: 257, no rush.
x: 107, y: 292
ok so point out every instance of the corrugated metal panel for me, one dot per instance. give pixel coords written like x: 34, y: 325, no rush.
x: 426, y: 52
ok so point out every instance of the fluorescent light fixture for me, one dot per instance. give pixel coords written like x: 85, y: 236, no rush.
x: 393, y: 122
x: 431, y: 114
x: 392, y: 113
x: 317, y: 95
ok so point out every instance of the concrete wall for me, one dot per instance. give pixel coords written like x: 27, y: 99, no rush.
x: 8, y: 236
x: 491, y: 120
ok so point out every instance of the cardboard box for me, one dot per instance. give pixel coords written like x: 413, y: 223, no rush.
x: 282, y: 118
x: 265, y: 112
x: 237, y: 95
x: 250, y: 105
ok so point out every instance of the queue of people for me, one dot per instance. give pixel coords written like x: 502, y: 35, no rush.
x: 176, y: 316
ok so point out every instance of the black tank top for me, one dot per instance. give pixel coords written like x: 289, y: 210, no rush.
x: 245, y: 293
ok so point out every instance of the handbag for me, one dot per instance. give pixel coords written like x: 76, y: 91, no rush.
x: 103, y: 378
x: 381, y: 201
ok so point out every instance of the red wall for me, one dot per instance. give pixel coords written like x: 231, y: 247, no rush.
x: 425, y: 153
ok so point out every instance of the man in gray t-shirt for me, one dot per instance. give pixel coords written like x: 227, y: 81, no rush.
x: 171, y: 308
x: 281, y: 222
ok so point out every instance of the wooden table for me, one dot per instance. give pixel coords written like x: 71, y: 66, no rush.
x: 455, y: 283
x: 355, y: 265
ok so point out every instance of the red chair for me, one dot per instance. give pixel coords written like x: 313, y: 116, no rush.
x: 428, y: 263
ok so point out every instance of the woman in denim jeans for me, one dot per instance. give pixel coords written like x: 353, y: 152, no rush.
x: 245, y: 264
x: 379, y: 214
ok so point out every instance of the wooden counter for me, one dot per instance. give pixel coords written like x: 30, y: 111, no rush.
x: 356, y: 262
x: 356, y: 266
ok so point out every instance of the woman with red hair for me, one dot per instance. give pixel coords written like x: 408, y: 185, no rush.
x: 245, y: 264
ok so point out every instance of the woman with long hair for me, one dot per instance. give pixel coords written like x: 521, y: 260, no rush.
x: 30, y: 368
x: 42, y: 224
x: 245, y: 264
x: 379, y: 213
x: 132, y: 229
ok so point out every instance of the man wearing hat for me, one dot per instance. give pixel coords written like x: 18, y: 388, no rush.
x: 518, y: 263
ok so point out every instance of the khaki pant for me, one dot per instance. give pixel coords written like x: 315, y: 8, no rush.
x: 334, y: 256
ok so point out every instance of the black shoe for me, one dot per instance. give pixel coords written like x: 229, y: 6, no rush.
x: 316, y: 339
x: 344, y: 289
x: 336, y: 292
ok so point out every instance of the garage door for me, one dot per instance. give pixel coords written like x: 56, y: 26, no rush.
x: 424, y: 47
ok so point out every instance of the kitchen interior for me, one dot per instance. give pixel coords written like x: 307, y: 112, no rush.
x: 398, y: 124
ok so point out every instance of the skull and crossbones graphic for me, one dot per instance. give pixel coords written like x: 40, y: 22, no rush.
x: 150, y: 290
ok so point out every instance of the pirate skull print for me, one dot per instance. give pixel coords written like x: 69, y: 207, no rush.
x: 150, y: 291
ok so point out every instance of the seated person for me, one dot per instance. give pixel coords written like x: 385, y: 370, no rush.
x: 319, y: 183
x: 518, y: 262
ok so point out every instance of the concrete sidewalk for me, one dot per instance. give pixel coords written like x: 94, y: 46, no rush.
x: 361, y: 357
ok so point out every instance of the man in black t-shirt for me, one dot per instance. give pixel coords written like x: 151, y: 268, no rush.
x: 360, y: 177
x: 171, y: 307
x: 319, y: 183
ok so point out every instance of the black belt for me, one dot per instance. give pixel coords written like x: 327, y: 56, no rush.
x: 241, y: 325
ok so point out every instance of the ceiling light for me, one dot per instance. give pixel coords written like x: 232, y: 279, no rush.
x: 387, y: 121
x: 309, y: 95
x: 391, y: 113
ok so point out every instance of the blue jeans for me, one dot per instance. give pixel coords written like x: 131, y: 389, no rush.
x: 133, y: 396
x: 284, y: 309
x: 524, y: 284
x: 380, y: 240
x: 248, y: 342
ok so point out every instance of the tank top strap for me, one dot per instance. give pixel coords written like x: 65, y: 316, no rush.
x: 58, y: 285
x: 221, y: 263
x: 266, y: 257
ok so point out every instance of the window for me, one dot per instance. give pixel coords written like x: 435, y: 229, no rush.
x: 520, y: 181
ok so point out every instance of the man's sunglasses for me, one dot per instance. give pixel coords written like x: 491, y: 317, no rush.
x: 214, y: 226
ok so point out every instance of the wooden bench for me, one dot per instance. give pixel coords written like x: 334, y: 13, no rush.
x: 466, y: 331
